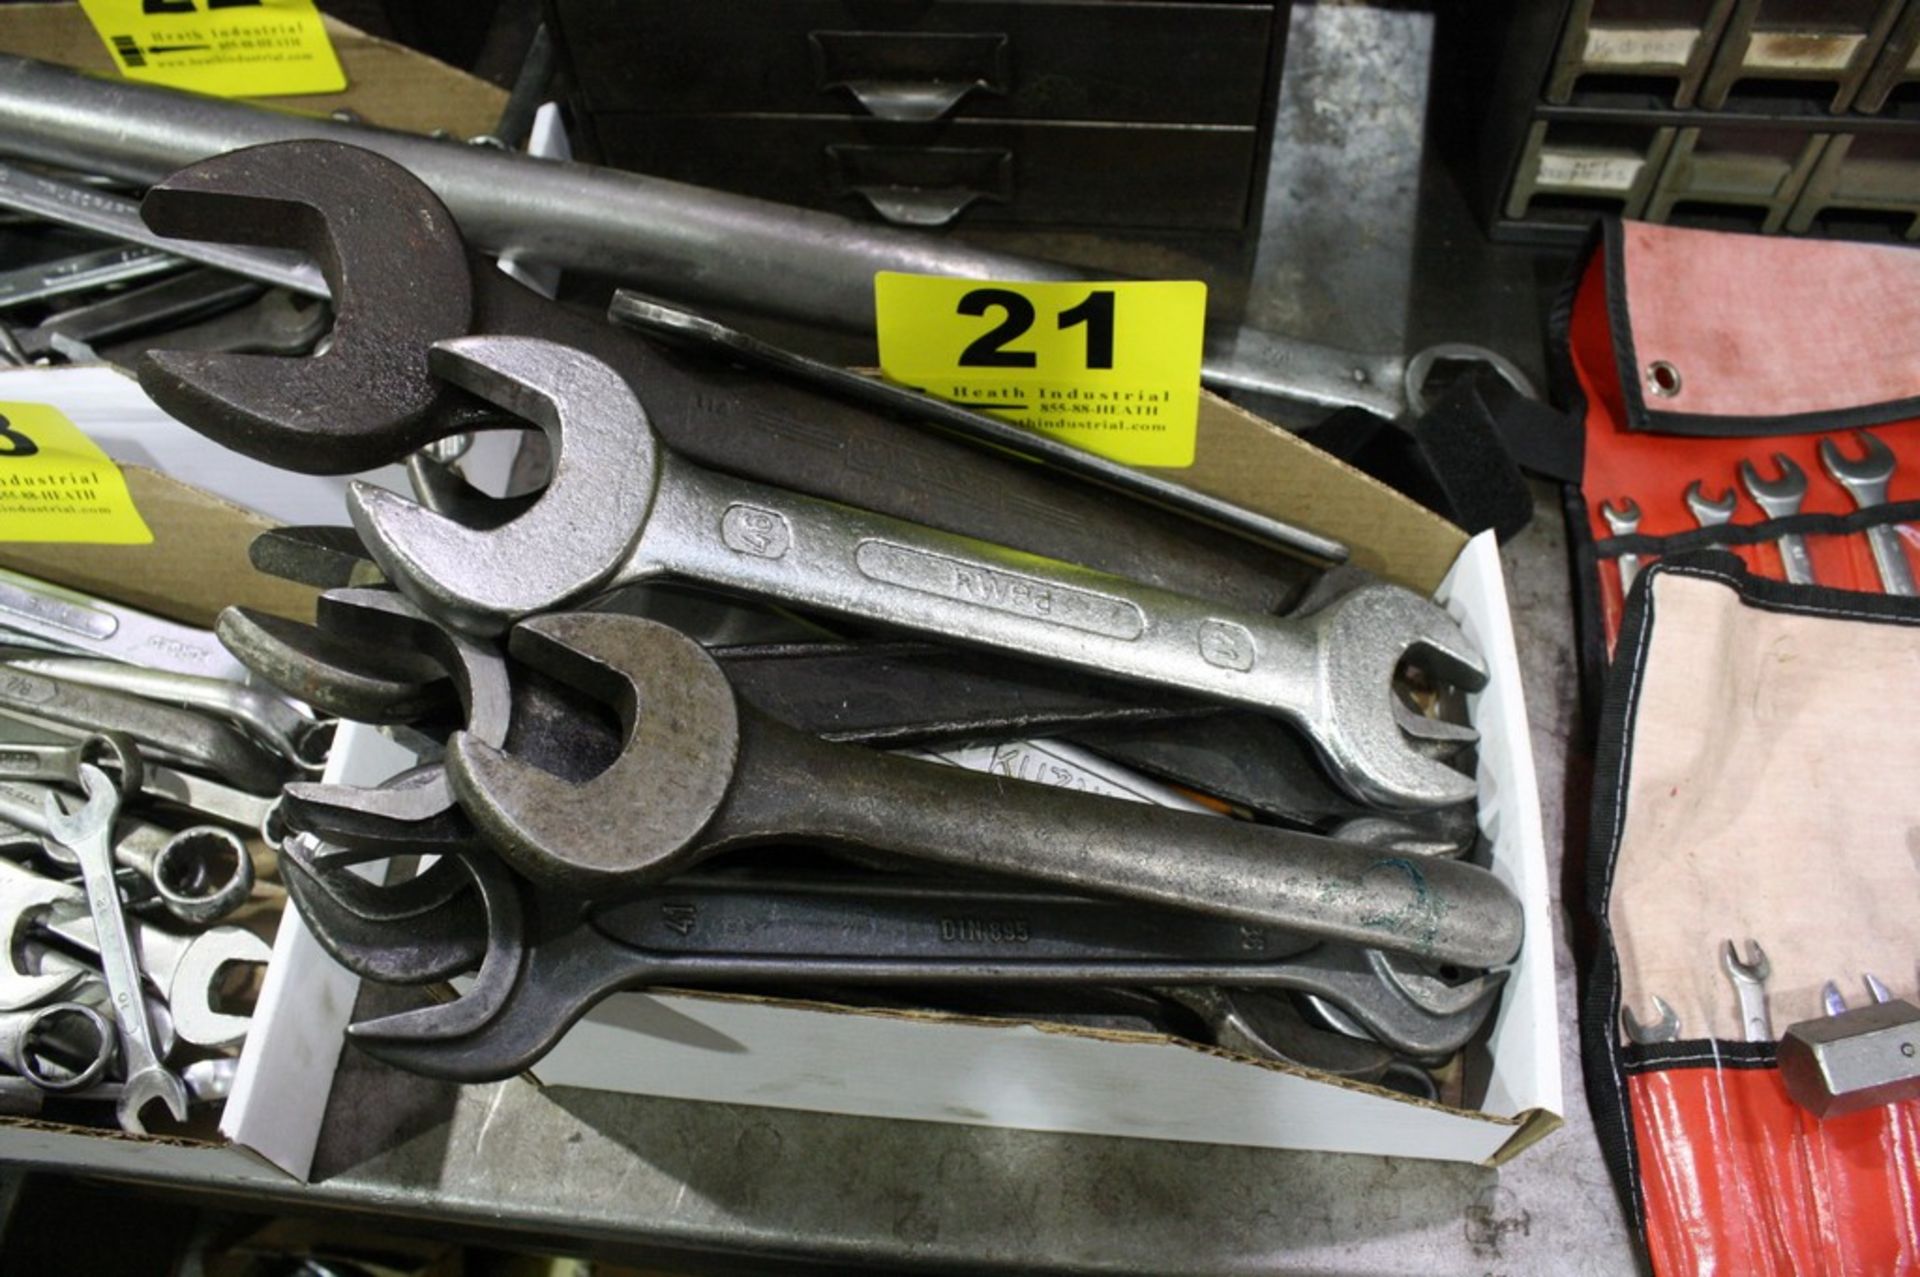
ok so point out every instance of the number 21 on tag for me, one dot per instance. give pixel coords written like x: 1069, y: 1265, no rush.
x: 1110, y: 367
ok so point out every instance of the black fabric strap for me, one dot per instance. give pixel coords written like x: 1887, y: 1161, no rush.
x: 1757, y: 533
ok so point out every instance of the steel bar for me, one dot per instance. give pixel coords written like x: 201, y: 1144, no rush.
x: 684, y: 242
x: 116, y: 217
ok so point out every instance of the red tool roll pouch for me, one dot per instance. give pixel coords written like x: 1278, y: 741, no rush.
x: 1691, y: 357
x: 1755, y: 783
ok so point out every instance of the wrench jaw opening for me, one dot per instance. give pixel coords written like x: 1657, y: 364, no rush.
x: 373, y: 823
x: 332, y: 674
x: 439, y: 942
x: 573, y: 538
x: 193, y: 992
x: 672, y: 775
x: 1365, y: 736
x: 493, y: 984
x: 398, y: 272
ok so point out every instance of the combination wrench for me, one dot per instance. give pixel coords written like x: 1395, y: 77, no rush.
x: 201, y: 874
x: 700, y: 773
x: 186, y: 970
x: 1623, y: 521
x: 300, y: 740
x: 1750, y: 986
x: 622, y: 509
x: 165, y: 731
x: 63, y: 1046
x: 1781, y: 498
x: 1710, y: 513
x: 1866, y: 481
x: 89, y: 834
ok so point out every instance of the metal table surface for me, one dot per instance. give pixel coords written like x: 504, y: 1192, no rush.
x: 1359, y: 247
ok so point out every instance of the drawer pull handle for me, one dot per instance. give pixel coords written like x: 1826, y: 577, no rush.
x: 907, y: 75
x: 921, y: 185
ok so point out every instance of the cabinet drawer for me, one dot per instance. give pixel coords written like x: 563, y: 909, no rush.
x: 1140, y: 176
x: 1195, y: 63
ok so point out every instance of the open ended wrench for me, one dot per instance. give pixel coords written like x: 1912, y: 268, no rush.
x: 1750, y: 986
x: 207, y: 1082
x: 1624, y: 521
x: 84, y: 623
x: 163, y: 730
x: 653, y: 514
x: 1781, y: 498
x: 670, y: 238
x: 296, y: 737
x: 699, y: 773
x: 47, y: 757
x: 1866, y: 482
x: 89, y: 833
x: 541, y: 971
x: 186, y: 970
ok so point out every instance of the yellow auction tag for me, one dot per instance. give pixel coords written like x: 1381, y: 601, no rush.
x: 1112, y: 368
x: 231, y: 48
x: 56, y: 484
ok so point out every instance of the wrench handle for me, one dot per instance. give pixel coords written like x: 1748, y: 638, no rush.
x: 806, y: 789
x: 1890, y: 560
x: 740, y: 535
x: 114, y: 945
x: 1795, y: 562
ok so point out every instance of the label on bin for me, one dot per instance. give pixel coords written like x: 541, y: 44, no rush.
x: 57, y: 485
x: 230, y: 48
x: 1113, y: 368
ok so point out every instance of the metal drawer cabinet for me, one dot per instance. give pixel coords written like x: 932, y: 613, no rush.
x: 1078, y: 174
x: 1114, y: 113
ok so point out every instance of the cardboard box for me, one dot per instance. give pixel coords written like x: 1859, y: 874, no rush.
x: 943, y: 1068
x: 934, y: 1067
x: 940, y: 1068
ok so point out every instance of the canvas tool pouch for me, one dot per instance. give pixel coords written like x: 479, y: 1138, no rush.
x: 1683, y: 353
x: 1757, y: 779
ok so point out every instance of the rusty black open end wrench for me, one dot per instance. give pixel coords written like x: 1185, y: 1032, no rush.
x: 548, y: 960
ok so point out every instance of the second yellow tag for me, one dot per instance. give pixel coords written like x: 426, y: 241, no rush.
x: 57, y: 485
x: 1110, y: 367
x: 232, y: 48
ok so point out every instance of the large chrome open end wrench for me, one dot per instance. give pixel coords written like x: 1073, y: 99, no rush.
x: 89, y: 834
x: 621, y: 509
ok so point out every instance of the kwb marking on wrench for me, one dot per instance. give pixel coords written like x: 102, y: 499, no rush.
x: 965, y: 582
x: 622, y: 509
